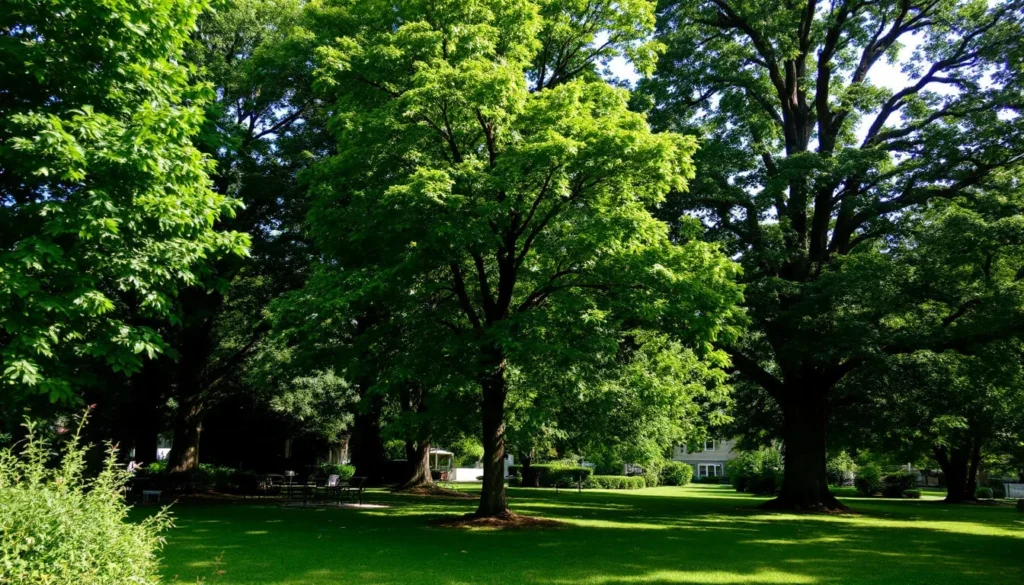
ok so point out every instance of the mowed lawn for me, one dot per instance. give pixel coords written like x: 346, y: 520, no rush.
x: 694, y: 534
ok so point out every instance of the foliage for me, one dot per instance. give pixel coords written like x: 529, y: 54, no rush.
x: 841, y: 468
x: 503, y: 232
x: 615, y: 482
x: 869, y: 481
x: 262, y: 128
x: 811, y: 172
x: 652, y: 472
x: 757, y: 472
x: 549, y: 474
x: 468, y: 451
x: 203, y: 477
x: 106, y: 209
x: 895, y: 484
x: 344, y: 472
x: 59, y: 526
x: 659, y: 393
x: 676, y: 473
x: 912, y: 494
x: 983, y: 493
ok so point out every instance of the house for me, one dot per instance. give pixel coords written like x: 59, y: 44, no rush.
x: 708, y: 461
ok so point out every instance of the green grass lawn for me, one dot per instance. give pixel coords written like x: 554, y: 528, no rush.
x: 696, y: 534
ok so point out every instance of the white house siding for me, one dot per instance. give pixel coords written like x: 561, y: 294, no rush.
x: 710, y: 461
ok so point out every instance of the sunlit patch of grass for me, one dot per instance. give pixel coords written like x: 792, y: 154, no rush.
x: 670, y: 535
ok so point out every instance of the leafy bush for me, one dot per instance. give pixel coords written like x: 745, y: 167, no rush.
x: 467, y: 451
x: 548, y: 474
x: 912, y: 494
x: 58, y: 526
x: 652, y: 472
x: 983, y: 493
x: 616, y: 482
x: 676, y: 473
x: 895, y: 484
x: 343, y: 472
x: 841, y: 469
x: 869, y: 481
x: 756, y: 472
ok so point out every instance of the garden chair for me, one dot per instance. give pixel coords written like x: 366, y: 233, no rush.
x: 353, y: 488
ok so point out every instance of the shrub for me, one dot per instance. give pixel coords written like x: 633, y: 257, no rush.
x: 548, y: 474
x: 983, y: 493
x: 652, y: 472
x: 868, y: 481
x: 710, y: 480
x: 342, y: 471
x: 1020, y: 505
x: 841, y: 469
x: 912, y: 494
x: 757, y: 472
x: 676, y: 473
x: 616, y: 482
x: 895, y: 484
x: 58, y: 526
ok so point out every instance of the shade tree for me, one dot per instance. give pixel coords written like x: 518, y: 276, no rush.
x: 501, y: 213
x: 810, y: 169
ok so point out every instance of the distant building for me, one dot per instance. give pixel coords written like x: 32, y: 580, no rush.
x: 708, y: 461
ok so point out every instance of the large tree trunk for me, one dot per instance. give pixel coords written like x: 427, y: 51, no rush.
x: 366, y: 445
x: 149, y: 389
x: 418, y: 457
x: 805, y: 483
x: 960, y: 472
x: 188, y: 424
x: 493, y: 501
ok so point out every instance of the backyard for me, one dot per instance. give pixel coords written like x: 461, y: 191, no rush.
x: 692, y: 534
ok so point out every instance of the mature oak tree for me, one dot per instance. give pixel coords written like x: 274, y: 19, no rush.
x: 806, y: 161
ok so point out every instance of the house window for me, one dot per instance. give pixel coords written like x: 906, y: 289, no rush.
x: 709, y: 470
x: 709, y: 445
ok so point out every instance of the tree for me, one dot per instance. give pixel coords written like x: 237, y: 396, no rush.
x: 809, y: 169
x: 653, y: 393
x: 105, y: 204
x: 262, y: 128
x: 953, y: 404
x: 511, y: 224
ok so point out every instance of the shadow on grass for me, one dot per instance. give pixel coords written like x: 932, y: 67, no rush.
x: 698, y: 534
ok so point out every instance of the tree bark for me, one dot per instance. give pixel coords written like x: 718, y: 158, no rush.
x: 957, y: 466
x: 366, y: 445
x: 188, y: 426
x: 524, y: 468
x: 805, y: 482
x: 418, y: 457
x: 493, y: 500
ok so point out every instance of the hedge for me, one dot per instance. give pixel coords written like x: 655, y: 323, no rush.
x: 912, y: 494
x: 549, y: 474
x: 983, y: 493
x: 616, y: 482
